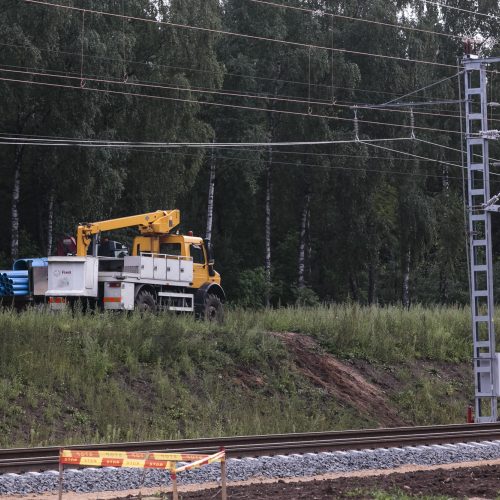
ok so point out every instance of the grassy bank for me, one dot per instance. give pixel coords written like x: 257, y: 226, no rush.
x: 386, y: 335
x: 81, y: 378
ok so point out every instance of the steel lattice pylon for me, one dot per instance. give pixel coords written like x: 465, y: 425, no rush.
x: 481, y: 262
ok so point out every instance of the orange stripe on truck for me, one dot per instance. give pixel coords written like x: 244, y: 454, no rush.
x: 112, y: 299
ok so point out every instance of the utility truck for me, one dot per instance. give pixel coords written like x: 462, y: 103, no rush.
x: 164, y: 270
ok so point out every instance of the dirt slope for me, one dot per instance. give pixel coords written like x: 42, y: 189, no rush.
x: 346, y: 383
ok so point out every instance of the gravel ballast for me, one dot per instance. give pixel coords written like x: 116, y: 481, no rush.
x: 280, y: 466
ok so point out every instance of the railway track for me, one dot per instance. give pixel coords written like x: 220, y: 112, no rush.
x: 46, y: 458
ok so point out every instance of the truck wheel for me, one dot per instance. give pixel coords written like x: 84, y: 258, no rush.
x: 145, y: 302
x: 213, y: 309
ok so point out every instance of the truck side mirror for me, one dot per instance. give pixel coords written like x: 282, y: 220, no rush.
x: 210, y: 257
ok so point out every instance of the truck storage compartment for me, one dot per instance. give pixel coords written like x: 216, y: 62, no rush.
x: 161, y: 267
x: 186, y: 272
x: 72, y: 276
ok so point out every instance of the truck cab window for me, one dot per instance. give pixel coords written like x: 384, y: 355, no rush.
x: 170, y: 248
x: 197, y: 254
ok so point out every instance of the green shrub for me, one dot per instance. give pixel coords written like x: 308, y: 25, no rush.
x: 253, y: 288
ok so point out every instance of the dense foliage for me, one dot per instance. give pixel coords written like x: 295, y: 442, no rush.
x: 343, y: 220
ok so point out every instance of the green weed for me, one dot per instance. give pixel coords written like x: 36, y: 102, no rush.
x: 106, y: 377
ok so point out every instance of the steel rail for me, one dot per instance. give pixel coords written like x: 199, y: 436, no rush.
x: 46, y: 458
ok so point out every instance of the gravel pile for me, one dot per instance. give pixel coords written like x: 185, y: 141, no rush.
x: 280, y: 466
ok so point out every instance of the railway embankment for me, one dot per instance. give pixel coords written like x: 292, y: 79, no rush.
x: 76, y: 378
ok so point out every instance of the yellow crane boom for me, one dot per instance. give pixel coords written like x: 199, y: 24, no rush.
x: 159, y: 222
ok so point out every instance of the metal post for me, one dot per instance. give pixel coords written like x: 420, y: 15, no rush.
x: 223, y: 467
x: 480, y: 238
x: 61, y: 471
x: 175, y: 493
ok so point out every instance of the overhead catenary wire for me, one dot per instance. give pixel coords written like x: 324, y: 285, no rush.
x: 241, y: 35
x: 163, y: 86
x: 256, y: 109
x: 411, y: 154
x: 450, y: 148
x: 86, y: 88
x: 431, y: 85
x: 19, y: 139
x: 460, y: 9
x: 309, y: 165
x: 351, y: 18
x: 420, y: 157
x: 232, y: 148
x: 225, y: 93
x: 367, y: 170
x: 197, y: 70
x: 433, y: 112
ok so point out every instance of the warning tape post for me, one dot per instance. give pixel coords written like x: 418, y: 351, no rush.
x: 142, y: 460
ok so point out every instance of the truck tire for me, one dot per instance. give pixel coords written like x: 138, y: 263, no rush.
x: 145, y: 302
x: 213, y: 310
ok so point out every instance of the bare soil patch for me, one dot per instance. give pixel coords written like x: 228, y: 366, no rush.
x: 346, y: 383
x: 467, y: 482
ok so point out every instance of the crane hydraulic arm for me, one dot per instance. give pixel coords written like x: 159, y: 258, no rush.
x: 159, y: 222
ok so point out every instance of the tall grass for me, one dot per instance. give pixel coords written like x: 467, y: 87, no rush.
x: 388, y: 334
x: 82, y: 377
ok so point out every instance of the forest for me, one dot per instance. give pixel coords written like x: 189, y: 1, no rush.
x: 284, y: 162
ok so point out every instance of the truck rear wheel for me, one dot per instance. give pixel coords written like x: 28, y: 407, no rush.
x: 213, y: 309
x: 145, y: 302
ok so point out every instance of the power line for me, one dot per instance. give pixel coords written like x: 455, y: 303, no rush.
x: 268, y: 97
x: 194, y: 89
x: 349, y: 18
x: 430, y: 143
x: 326, y: 167
x: 27, y: 140
x: 417, y: 156
x: 157, y: 85
x: 434, y: 84
x: 239, y: 75
x: 234, y: 148
x: 22, y: 140
x: 205, y: 103
x: 459, y: 9
x: 299, y: 164
x: 412, y: 155
x: 240, y: 35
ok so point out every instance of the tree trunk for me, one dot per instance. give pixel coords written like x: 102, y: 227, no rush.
x: 50, y: 223
x: 444, y: 290
x: 406, y: 280
x: 211, y: 191
x: 309, y: 246
x: 372, y: 282
x: 269, y: 188
x: 353, y: 285
x: 267, y: 262
x: 16, y: 192
x: 302, y: 241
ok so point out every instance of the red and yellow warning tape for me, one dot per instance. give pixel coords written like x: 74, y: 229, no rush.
x: 217, y: 457
x: 142, y: 460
